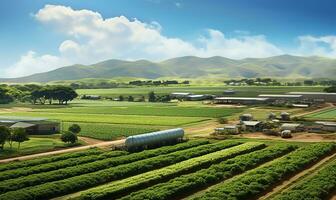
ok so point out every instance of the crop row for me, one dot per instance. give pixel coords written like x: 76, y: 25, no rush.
x: 76, y: 183
x: 318, y: 186
x: 189, y: 183
x: 254, y: 183
x: 25, y: 171
x: 43, y: 160
x: 119, y: 188
x: 36, y: 179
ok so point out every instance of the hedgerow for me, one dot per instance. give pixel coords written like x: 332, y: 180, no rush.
x: 80, y: 182
x: 118, y: 188
x: 43, y: 160
x: 189, y: 183
x: 15, y: 173
x: 319, y: 186
x: 255, y: 182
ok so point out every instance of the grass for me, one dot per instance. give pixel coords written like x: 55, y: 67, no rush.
x: 108, y: 131
x: 32, y: 146
x: 113, y: 119
x: 329, y: 114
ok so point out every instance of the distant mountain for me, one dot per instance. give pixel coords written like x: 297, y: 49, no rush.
x: 284, y: 66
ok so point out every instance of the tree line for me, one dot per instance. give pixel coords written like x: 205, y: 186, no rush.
x: 37, y: 94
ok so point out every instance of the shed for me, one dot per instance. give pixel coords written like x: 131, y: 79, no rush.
x: 293, y: 127
x: 246, y: 117
x: 328, y: 126
x: 154, y: 138
x: 240, y: 100
x: 252, y: 126
x: 178, y: 95
x: 285, y: 116
x: 229, y: 92
x: 228, y: 129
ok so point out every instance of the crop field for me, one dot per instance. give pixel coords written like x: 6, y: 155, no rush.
x: 197, y: 169
x: 108, y: 131
x: 329, y: 114
x: 250, y: 91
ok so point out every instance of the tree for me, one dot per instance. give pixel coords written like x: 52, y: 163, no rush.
x: 131, y: 98
x: 4, y: 96
x: 330, y: 89
x: 4, y: 135
x: 121, y: 98
x: 74, y: 128
x: 223, y: 120
x: 151, y: 97
x: 69, y: 137
x: 63, y: 94
x: 19, y: 135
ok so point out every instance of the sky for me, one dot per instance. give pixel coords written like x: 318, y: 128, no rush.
x: 42, y: 35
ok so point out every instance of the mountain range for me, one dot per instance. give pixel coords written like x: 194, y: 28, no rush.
x: 284, y: 66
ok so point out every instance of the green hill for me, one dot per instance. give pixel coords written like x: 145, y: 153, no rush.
x: 285, y: 66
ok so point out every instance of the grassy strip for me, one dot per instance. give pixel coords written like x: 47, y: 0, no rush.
x: 318, y: 186
x: 187, y: 184
x: 36, y: 179
x: 25, y: 171
x: 77, y: 183
x: 119, y: 188
x: 257, y: 181
x: 43, y: 160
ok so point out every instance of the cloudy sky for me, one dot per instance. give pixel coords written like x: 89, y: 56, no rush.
x: 39, y: 35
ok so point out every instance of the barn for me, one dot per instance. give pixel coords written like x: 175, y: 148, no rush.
x: 240, y: 100
x: 36, y: 126
x: 318, y: 97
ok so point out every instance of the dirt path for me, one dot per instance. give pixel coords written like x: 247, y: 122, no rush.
x: 297, y: 137
x: 290, y: 182
x: 90, y: 141
x: 202, y: 129
x: 100, y: 145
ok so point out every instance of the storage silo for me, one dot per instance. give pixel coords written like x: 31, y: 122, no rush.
x: 154, y: 138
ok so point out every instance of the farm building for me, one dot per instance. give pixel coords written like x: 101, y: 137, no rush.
x: 246, y: 117
x: 229, y: 92
x: 178, y: 95
x: 154, y: 138
x: 31, y: 125
x: 293, y: 127
x: 285, y: 116
x: 240, y: 100
x: 328, y: 126
x: 281, y: 98
x: 198, y: 97
x: 316, y: 96
x: 252, y: 126
x: 300, y: 105
x: 228, y: 129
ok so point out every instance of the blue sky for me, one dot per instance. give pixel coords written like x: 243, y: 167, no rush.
x: 35, y: 37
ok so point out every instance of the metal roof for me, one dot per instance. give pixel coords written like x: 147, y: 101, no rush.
x: 22, y: 125
x: 326, y: 123
x: 20, y: 119
x: 196, y: 95
x: 300, y: 105
x: 180, y: 93
x: 280, y: 95
x: 290, y: 125
x: 251, y: 123
x: 317, y: 93
x: 241, y: 98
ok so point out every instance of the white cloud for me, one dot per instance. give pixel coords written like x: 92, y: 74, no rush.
x: 317, y: 46
x: 91, y: 38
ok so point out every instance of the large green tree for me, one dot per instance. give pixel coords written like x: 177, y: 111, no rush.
x: 4, y: 135
x: 19, y: 135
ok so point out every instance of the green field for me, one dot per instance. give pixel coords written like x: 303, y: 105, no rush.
x: 34, y: 145
x: 329, y: 114
x: 108, y: 131
x: 197, y: 169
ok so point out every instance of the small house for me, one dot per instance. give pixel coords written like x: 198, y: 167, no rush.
x: 293, y: 127
x: 246, y: 117
x: 228, y: 129
x: 252, y: 126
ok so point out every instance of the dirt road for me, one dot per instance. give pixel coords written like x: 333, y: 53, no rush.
x: 100, y: 145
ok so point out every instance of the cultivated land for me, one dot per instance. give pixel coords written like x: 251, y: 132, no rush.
x: 329, y: 114
x: 197, y: 169
x: 234, y: 168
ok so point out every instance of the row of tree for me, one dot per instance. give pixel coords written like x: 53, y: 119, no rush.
x: 8, y: 135
x: 36, y: 94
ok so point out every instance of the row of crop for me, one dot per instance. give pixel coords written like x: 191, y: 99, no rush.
x: 254, y: 183
x: 76, y: 183
x: 190, y: 183
x: 119, y: 188
x: 36, y: 179
x: 49, y: 159
x: 25, y: 171
x: 319, y: 186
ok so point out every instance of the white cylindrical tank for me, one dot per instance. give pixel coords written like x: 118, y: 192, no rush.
x: 154, y: 137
